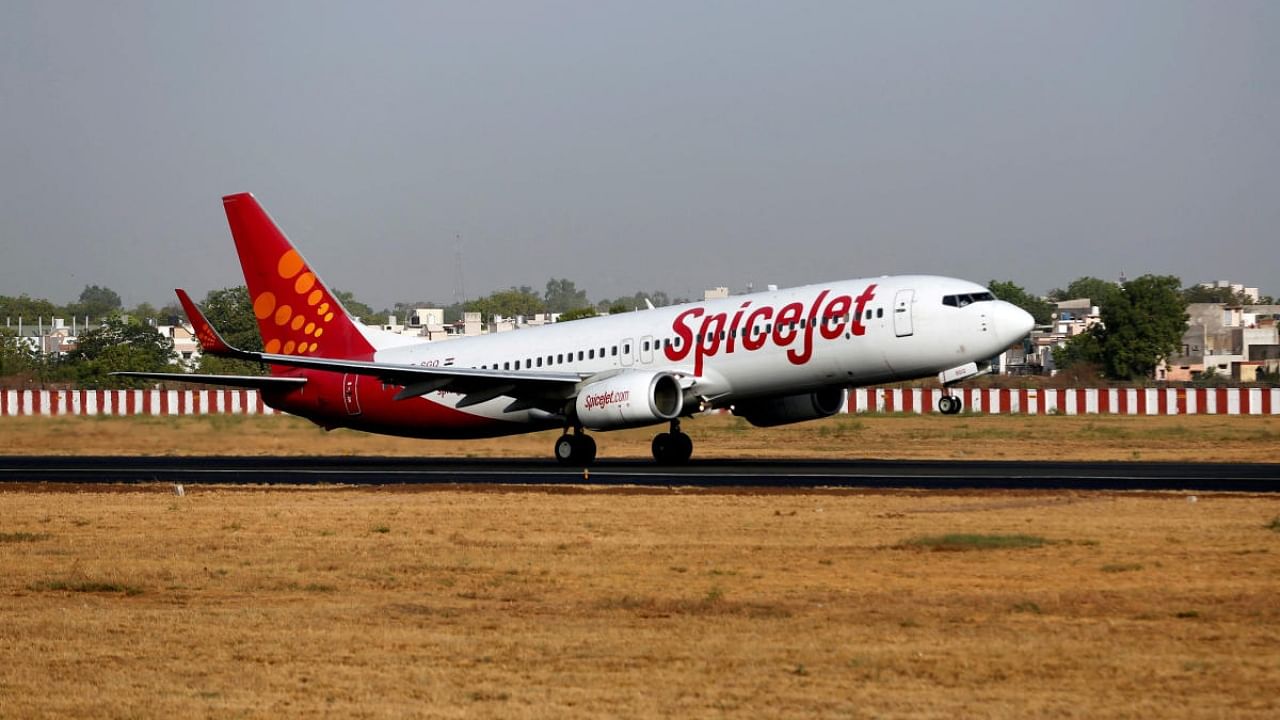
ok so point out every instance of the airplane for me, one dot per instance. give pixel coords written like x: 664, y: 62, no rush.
x: 773, y: 358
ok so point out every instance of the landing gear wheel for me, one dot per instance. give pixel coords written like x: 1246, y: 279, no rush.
x: 575, y: 449
x: 565, y: 447
x: 586, y: 449
x: 950, y: 405
x: 672, y: 448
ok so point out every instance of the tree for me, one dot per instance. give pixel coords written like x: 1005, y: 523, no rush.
x: 1040, y: 309
x: 508, y: 303
x: 1202, y: 294
x: 578, y: 314
x: 1096, y: 290
x: 1141, y: 325
x: 28, y: 308
x: 230, y: 312
x: 634, y: 302
x: 96, y: 302
x: 15, y: 357
x: 354, y: 307
x: 120, y: 344
x: 1079, y: 351
x: 562, y: 296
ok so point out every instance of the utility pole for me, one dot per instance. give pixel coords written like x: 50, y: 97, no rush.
x: 459, y: 287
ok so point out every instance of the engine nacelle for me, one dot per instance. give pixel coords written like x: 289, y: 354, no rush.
x: 768, y: 412
x: 630, y: 399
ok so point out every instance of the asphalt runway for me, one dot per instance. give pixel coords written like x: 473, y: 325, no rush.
x: 935, y: 475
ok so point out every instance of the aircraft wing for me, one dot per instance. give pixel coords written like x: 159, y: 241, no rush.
x: 532, y: 389
x: 257, y: 382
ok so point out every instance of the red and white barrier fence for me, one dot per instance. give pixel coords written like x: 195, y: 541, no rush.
x: 1002, y: 401
x: 132, y: 402
x: 1075, y: 401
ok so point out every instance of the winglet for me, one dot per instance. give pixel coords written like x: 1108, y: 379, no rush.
x: 210, y: 341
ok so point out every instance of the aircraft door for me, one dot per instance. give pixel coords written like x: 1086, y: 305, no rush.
x: 646, y: 349
x: 624, y: 352
x: 351, y: 393
x: 902, y: 303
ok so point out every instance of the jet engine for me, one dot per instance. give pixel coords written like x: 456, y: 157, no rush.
x: 630, y: 399
x: 767, y: 412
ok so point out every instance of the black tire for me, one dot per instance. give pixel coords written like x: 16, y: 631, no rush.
x: 682, y: 448
x: 586, y: 449
x: 662, y: 446
x: 566, y: 450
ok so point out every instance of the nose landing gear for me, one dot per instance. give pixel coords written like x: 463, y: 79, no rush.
x: 950, y: 404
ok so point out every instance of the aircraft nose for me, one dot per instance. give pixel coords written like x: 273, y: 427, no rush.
x: 1012, y: 322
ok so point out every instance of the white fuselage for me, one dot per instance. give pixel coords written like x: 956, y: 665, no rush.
x: 869, y: 330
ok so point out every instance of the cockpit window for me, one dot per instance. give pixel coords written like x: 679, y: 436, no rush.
x: 967, y: 298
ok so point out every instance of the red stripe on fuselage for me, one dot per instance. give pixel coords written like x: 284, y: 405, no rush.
x: 321, y: 401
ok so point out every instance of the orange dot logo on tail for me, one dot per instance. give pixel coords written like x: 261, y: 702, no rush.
x: 273, y: 346
x: 304, y: 283
x: 264, y: 305
x: 290, y: 264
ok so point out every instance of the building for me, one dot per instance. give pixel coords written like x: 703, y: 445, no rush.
x: 1248, y: 293
x: 1221, y: 339
x: 1070, y: 318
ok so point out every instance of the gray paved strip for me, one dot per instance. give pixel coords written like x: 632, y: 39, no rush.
x: 799, y: 473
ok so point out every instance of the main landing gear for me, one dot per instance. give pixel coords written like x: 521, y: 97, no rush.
x: 669, y: 448
x: 673, y: 448
x: 575, y: 449
x: 950, y: 404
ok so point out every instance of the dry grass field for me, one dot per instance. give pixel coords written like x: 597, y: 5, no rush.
x: 972, y: 437
x: 569, y: 602
x: 130, y: 601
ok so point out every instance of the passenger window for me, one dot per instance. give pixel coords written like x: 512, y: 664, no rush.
x: 879, y: 312
x: 539, y: 362
x: 506, y: 365
x: 614, y: 353
x: 528, y: 363
x: 559, y: 359
x: 580, y: 354
x: 646, y: 346
x: 591, y: 354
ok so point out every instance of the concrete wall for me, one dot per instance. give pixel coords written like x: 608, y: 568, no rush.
x: 1081, y: 401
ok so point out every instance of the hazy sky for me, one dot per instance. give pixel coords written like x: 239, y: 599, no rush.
x: 640, y: 145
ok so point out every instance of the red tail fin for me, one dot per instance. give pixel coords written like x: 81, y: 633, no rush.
x: 297, y: 313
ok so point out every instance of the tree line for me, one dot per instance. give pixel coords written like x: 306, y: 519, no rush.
x: 1142, y: 322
